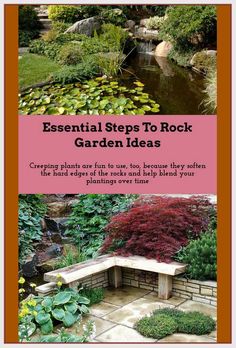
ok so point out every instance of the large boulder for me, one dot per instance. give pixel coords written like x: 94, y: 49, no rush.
x: 85, y: 26
x: 163, y: 49
x: 29, y: 267
x: 60, y: 209
x: 130, y: 25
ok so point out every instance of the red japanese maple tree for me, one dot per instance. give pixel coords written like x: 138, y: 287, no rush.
x: 157, y: 227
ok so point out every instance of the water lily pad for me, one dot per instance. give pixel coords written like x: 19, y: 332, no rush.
x: 138, y: 83
x: 97, y: 96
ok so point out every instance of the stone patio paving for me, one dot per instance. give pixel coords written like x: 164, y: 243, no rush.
x: 115, y: 316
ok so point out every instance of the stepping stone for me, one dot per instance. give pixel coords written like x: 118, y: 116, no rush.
x: 123, y: 334
x: 132, y: 312
x: 190, y: 306
x: 102, y: 308
x: 176, y: 338
x: 175, y: 301
x: 213, y: 335
x: 124, y: 295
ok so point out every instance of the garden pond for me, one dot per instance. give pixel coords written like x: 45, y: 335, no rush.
x: 178, y: 90
x: 147, y: 85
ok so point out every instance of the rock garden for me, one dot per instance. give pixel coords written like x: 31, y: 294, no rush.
x: 123, y: 60
x: 117, y: 268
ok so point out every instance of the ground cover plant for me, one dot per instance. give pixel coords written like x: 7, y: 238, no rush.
x: 95, y: 295
x: 55, y: 45
x: 171, y: 223
x: 167, y: 321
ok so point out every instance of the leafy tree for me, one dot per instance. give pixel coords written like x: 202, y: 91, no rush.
x: 189, y: 26
x: 157, y: 228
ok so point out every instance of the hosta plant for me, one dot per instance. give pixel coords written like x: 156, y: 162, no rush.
x: 65, y: 307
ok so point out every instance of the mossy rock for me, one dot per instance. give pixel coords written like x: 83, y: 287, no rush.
x: 204, y: 61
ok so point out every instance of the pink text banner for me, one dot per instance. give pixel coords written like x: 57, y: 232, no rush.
x: 117, y: 154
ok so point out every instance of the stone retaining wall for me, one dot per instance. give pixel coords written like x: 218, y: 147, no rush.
x: 200, y: 291
x: 140, y: 279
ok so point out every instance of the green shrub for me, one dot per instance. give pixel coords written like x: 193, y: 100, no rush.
x: 182, y: 58
x: 166, y: 321
x: 156, y: 326
x: 111, y: 39
x: 159, y: 10
x: 25, y: 37
x: 28, y: 19
x: 87, y: 69
x: 201, y: 257
x: 70, y: 54
x: 110, y: 63
x: 196, y: 323
x: 45, y: 48
x: 31, y: 212
x: 170, y: 312
x: 114, y: 16
x: 69, y: 37
x: 29, y: 25
x: 60, y: 27
x: 70, y: 259
x: 155, y: 22
x: 64, y: 13
x: 51, y: 44
x: 114, y: 36
x: 190, y: 26
x: 71, y: 14
x: 95, y: 295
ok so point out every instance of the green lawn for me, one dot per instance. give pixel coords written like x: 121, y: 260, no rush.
x: 34, y: 69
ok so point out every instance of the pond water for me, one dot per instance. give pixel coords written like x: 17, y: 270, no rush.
x: 178, y: 90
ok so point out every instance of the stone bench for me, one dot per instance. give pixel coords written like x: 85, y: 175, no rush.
x: 113, y: 264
